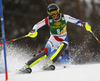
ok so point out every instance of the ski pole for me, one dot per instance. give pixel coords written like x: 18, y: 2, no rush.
x: 95, y: 36
x: 15, y: 39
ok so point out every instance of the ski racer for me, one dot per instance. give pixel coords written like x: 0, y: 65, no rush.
x: 58, y: 42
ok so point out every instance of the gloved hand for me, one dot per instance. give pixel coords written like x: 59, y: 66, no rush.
x: 87, y: 26
x: 33, y: 33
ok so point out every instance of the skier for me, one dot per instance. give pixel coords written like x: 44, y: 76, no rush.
x: 58, y: 42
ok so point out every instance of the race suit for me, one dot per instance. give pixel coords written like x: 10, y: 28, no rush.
x: 58, y: 34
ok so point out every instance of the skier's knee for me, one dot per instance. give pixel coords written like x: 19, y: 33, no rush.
x: 46, y: 50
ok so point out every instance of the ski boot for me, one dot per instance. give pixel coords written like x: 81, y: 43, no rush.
x: 25, y: 69
x: 49, y: 66
x: 64, y: 58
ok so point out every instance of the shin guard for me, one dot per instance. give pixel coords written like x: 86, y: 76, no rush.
x: 36, y: 59
x: 58, y: 52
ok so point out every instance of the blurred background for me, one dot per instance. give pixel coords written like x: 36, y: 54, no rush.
x: 21, y: 15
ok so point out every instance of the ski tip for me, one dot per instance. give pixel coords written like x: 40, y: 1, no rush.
x: 49, y: 68
x: 25, y: 71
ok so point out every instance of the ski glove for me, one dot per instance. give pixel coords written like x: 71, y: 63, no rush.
x: 33, y: 33
x: 87, y: 26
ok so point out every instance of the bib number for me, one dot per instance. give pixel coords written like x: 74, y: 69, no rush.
x: 58, y: 31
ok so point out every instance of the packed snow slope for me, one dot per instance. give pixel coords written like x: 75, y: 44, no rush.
x: 89, y: 72
x: 17, y: 57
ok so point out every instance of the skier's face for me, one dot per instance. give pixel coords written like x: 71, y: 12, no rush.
x: 54, y: 16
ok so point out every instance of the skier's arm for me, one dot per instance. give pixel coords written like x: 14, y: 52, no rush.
x: 73, y: 20
x: 33, y: 33
x: 77, y: 22
x: 39, y: 25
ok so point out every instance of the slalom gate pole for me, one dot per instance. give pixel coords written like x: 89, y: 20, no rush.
x: 3, y: 38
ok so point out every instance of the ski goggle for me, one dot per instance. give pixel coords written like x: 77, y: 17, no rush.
x: 52, y: 13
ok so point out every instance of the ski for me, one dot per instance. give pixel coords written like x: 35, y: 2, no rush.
x: 44, y: 68
x: 25, y: 71
x: 51, y: 67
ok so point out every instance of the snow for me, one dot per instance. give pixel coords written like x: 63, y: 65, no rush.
x: 15, y: 60
x: 89, y: 72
